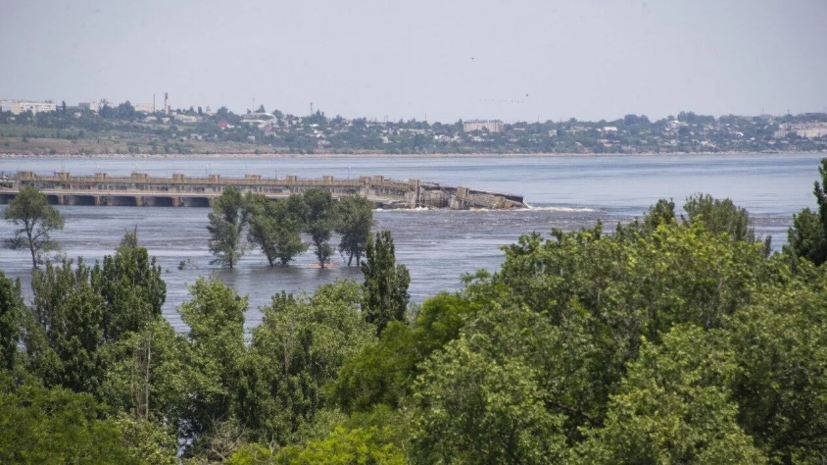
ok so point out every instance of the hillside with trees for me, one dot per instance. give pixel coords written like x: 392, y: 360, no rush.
x: 122, y: 130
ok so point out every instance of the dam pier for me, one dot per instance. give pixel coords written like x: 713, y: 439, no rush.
x: 141, y: 190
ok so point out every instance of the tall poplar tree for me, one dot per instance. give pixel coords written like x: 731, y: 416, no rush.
x: 11, y: 314
x: 808, y: 236
x: 319, y: 222
x: 385, y: 297
x: 227, y: 221
x: 354, y: 218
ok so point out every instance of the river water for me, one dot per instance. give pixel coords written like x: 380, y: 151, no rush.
x: 438, y: 247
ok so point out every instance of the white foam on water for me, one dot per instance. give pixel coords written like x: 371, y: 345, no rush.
x: 560, y: 209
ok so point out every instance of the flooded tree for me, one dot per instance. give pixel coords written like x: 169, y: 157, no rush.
x: 30, y: 210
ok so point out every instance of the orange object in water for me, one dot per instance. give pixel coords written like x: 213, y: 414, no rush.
x: 317, y: 265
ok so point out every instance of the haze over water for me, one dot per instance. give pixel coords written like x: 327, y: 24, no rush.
x: 437, y: 246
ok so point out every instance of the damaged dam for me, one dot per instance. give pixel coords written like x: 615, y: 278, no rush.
x: 141, y: 190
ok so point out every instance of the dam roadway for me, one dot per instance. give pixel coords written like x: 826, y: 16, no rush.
x: 140, y: 190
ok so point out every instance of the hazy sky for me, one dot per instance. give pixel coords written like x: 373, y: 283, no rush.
x: 447, y: 59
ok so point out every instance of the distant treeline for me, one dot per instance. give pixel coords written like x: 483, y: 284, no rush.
x: 121, y: 129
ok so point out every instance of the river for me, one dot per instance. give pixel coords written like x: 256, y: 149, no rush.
x: 567, y: 192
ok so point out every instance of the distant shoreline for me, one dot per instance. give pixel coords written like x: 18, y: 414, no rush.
x: 71, y: 156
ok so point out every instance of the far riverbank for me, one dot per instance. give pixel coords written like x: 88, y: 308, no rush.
x: 276, y: 156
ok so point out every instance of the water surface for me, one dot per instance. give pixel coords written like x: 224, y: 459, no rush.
x: 437, y: 246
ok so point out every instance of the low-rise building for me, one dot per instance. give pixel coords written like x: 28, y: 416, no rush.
x: 19, y: 106
x: 492, y: 125
x: 144, y: 107
x: 805, y: 130
x: 186, y: 119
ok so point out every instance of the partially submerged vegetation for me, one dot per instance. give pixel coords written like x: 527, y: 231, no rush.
x: 673, y: 341
x: 275, y: 226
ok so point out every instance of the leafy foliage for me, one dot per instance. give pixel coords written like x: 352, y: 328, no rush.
x: 354, y: 220
x: 12, y: 311
x: 37, y: 219
x: 386, y: 283
x: 669, y: 342
x: 227, y: 220
x: 808, y: 236
x: 319, y: 220
x: 720, y: 216
x: 215, y: 316
x: 674, y: 407
x: 300, y: 347
x: 56, y: 426
x: 131, y: 286
x: 275, y: 227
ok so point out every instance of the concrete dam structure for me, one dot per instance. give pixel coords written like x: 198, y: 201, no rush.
x: 140, y: 190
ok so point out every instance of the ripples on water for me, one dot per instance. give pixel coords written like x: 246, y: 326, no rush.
x: 437, y: 246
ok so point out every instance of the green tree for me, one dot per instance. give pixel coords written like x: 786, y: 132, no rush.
x: 11, y: 320
x: 275, y: 228
x: 215, y: 316
x: 319, y: 221
x: 147, y: 442
x: 386, y: 283
x: 148, y: 374
x: 662, y: 212
x: 64, y: 333
x: 37, y: 219
x: 346, y: 447
x: 354, y: 218
x: 720, y: 216
x: 56, y: 426
x: 131, y: 285
x: 808, y: 236
x: 475, y: 407
x: 384, y: 371
x: 297, y: 350
x: 780, y: 344
x: 227, y: 221
x: 675, y: 408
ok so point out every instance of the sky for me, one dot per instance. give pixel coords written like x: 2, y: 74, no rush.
x: 440, y: 60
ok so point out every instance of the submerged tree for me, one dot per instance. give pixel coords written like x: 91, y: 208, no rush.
x: 227, y: 221
x: 386, y: 283
x: 318, y: 222
x: 354, y: 218
x: 37, y: 219
x: 275, y: 228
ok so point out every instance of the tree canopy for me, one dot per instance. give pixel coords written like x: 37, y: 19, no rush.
x: 671, y: 341
x: 30, y: 210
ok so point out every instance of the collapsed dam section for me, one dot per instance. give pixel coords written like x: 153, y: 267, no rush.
x: 141, y: 190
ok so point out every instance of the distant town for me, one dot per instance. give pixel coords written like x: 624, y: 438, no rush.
x: 102, y: 127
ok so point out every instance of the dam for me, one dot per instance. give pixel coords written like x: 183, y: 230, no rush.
x: 141, y: 190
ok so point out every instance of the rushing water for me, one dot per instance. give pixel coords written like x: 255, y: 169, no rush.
x: 437, y: 246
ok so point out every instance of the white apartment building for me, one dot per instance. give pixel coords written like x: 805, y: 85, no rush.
x: 492, y: 125
x: 138, y: 107
x: 19, y: 106
x: 806, y: 130
x: 144, y: 107
x: 94, y: 106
